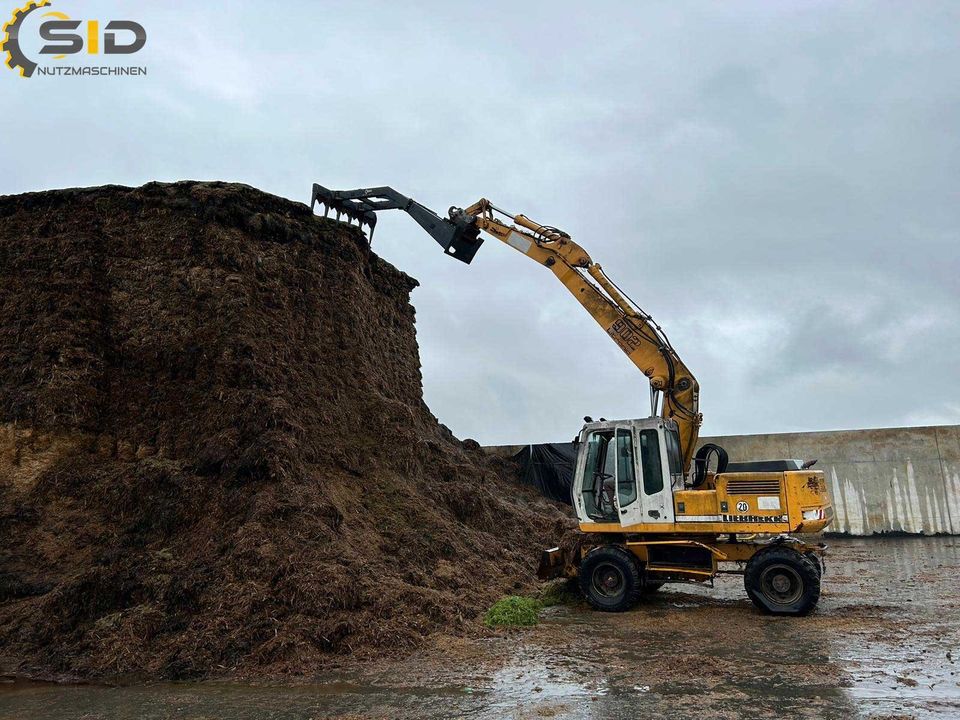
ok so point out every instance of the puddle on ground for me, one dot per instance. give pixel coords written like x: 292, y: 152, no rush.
x: 200, y: 701
x: 903, y: 658
x: 902, y: 680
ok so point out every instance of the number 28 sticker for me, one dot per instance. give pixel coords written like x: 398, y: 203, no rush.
x: 742, y: 506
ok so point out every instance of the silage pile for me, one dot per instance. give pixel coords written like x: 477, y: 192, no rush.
x: 215, y: 458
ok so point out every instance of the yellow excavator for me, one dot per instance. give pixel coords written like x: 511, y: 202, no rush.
x: 651, y: 507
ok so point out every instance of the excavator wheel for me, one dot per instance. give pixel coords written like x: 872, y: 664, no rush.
x: 610, y: 579
x: 781, y: 581
x: 817, y: 562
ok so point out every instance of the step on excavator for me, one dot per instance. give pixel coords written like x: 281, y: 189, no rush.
x: 652, y: 508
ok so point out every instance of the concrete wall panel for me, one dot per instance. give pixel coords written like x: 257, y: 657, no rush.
x: 885, y: 480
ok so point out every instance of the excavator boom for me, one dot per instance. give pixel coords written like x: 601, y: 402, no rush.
x: 633, y: 330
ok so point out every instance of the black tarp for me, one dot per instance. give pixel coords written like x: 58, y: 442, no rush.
x: 549, y: 468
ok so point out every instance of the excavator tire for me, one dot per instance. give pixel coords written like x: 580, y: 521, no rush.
x: 781, y: 581
x: 816, y: 562
x: 610, y: 579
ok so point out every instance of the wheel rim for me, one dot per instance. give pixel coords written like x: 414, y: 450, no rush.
x: 608, y: 580
x: 781, y: 584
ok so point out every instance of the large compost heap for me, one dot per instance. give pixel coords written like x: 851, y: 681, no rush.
x: 215, y: 458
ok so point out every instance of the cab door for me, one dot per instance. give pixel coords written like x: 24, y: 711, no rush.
x: 622, y: 448
x: 656, y: 493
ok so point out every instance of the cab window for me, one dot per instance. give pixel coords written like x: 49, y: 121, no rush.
x: 598, y: 468
x: 650, y: 459
x: 595, y: 446
x: 673, y: 458
x: 626, y: 478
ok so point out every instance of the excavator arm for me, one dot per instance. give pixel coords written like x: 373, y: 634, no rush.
x: 634, y: 331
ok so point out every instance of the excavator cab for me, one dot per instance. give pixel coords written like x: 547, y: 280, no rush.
x: 626, y: 471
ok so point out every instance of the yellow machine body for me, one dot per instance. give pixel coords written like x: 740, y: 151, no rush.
x: 744, y: 503
x: 629, y: 479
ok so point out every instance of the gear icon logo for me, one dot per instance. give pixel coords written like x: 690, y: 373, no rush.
x: 11, y: 39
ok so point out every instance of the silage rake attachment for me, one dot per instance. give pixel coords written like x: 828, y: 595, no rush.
x: 458, y: 235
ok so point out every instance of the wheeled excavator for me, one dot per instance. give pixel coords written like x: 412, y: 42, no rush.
x: 652, y: 509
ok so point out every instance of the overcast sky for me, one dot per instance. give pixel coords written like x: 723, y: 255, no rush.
x: 778, y: 183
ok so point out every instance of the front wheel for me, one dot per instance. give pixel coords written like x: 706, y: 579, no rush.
x: 610, y: 579
x: 817, y: 562
x: 781, y: 581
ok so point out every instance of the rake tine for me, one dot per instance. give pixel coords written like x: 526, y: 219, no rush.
x: 358, y: 205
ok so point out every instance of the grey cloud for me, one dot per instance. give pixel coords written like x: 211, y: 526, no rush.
x: 776, y: 182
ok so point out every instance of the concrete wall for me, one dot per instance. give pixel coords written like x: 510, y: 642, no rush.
x: 889, y: 480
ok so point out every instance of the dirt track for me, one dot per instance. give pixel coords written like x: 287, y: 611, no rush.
x: 884, y: 643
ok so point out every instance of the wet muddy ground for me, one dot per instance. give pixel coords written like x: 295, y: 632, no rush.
x: 883, y: 643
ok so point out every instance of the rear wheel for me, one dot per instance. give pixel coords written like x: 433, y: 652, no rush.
x: 610, y: 579
x: 781, y: 581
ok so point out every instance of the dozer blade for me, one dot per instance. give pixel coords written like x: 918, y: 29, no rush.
x: 459, y: 235
x: 554, y: 563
